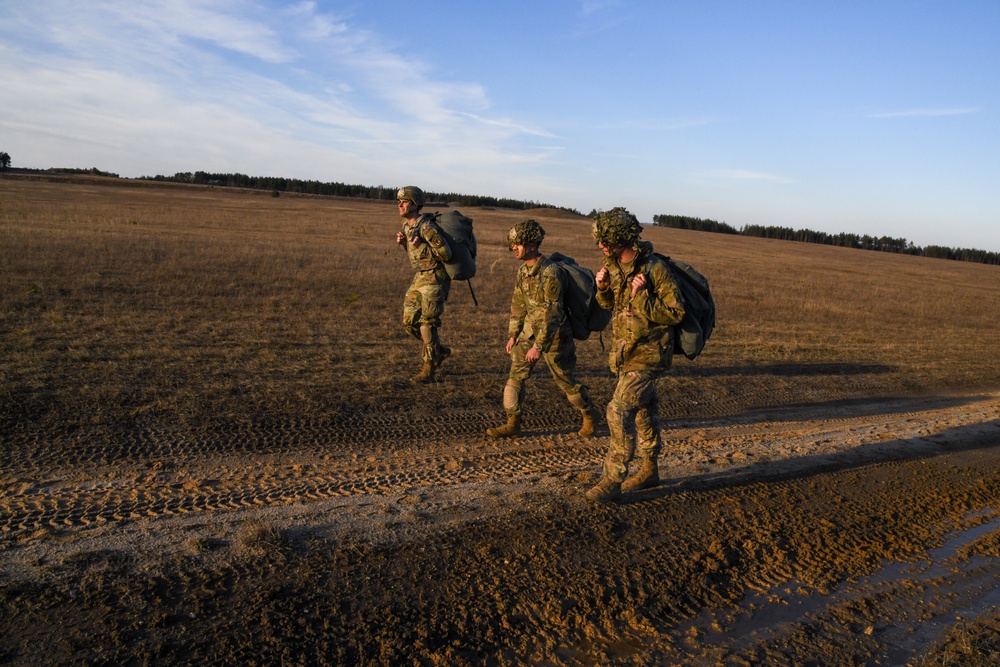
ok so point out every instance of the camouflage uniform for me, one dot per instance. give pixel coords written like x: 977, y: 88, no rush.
x: 538, y: 319
x: 427, y: 294
x: 641, y: 352
x: 425, y: 299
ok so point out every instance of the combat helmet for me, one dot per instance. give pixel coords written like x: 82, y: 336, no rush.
x: 616, y: 227
x: 411, y: 193
x: 525, y: 232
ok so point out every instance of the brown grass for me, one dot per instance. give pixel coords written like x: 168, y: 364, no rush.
x: 968, y: 644
x: 123, y: 305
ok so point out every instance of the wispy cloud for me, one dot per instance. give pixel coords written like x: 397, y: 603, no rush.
x: 591, y: 7
x: 927, y: 112
x: 240, y: 81
x: 600, y: 15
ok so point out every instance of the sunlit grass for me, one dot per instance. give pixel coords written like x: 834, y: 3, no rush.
x: 186, y: 305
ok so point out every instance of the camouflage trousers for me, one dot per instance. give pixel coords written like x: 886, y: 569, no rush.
x: 632, y: 420
x: 561, y: 360
x: 424, y: 304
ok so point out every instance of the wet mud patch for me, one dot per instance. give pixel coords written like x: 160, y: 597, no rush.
x: 834, y: 567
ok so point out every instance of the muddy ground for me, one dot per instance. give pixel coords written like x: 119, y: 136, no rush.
x: 858, y: 532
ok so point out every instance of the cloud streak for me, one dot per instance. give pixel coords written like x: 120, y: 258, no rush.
x: 240, y: 83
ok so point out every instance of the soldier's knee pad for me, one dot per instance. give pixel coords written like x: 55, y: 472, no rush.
x: 512, y: 394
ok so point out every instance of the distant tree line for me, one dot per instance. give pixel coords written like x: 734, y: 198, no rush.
x: 294, y: 185
x: 698, y: 224
x: 843, y: 239
x: 278, y: 185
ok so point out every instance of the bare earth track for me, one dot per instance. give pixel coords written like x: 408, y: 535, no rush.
x: 870, y: 525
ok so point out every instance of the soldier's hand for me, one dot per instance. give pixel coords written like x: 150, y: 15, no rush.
x: 400, y: 238
x: 638, y: 283
x: 603, y: 278
x: 510, y: 344
x: 533, y: 355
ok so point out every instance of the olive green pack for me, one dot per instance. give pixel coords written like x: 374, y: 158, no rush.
x: 580, y: 300
x: 699, y: 308
x: 457, y: 231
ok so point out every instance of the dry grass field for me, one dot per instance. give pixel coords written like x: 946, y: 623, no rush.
x: 210, y: 451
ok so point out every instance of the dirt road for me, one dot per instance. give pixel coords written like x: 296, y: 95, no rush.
x: 856, y: 532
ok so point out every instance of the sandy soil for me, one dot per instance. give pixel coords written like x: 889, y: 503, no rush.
x: 842, y: 532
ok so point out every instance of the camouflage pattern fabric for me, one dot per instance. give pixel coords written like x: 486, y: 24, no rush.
x: 425, y: 299
x: 642, y: 325
x: 632, y: 420
x: 641, y: 351
x: 413, y: 194
x: 561, y: 362
x: 616, y: 227
x: 537, y: 309
x: 525, y: 232
x: 432, y: 249
x: 538, y: 319
x: 427, y: 294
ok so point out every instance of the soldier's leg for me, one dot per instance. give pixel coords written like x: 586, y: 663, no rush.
x: 434, y: 293
x: 632, y: 394
x: 412, y: 311
x: 621, y: 446
x: 621, y: 423
x: 520, y: 371
x: 562, y: 366
x: 429, y: 338
x: 513, y: 394
x: 648, y: 441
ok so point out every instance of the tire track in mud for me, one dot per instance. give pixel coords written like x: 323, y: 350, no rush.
x: 225, y: 483
x: 32, y: 450
x: 721, y: 564
x: 31, y: 507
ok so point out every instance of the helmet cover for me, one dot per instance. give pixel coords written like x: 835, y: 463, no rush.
x: 411, y: 193
x: 525, y: 232
x: 616, y: 227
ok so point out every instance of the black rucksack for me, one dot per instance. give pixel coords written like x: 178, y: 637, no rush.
x: 699, y: 308
x: 585, y: 314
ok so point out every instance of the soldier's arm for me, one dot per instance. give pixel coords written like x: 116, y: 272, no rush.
x: 432, y: 234
x: 518, y: 311
x: 605, y: 295
x: 660, y: 302
x: 555, y: 310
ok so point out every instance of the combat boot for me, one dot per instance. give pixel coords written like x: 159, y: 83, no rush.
x: 605, y: 491
x: 590, y: 418
x: 648, y: 476
x: 511, y: 428
x: 425, y: 375
x: 443, y: 353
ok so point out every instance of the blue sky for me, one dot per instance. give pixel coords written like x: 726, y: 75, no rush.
x: 874, y: 117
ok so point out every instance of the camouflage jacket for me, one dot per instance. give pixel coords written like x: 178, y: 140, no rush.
x: 537, y: 309
x: 642, y: 324
x: 433, y: 248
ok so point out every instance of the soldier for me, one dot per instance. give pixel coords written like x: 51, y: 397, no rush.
x: 636, y: 286
x: 428, y: 292
x: 539, y: 329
